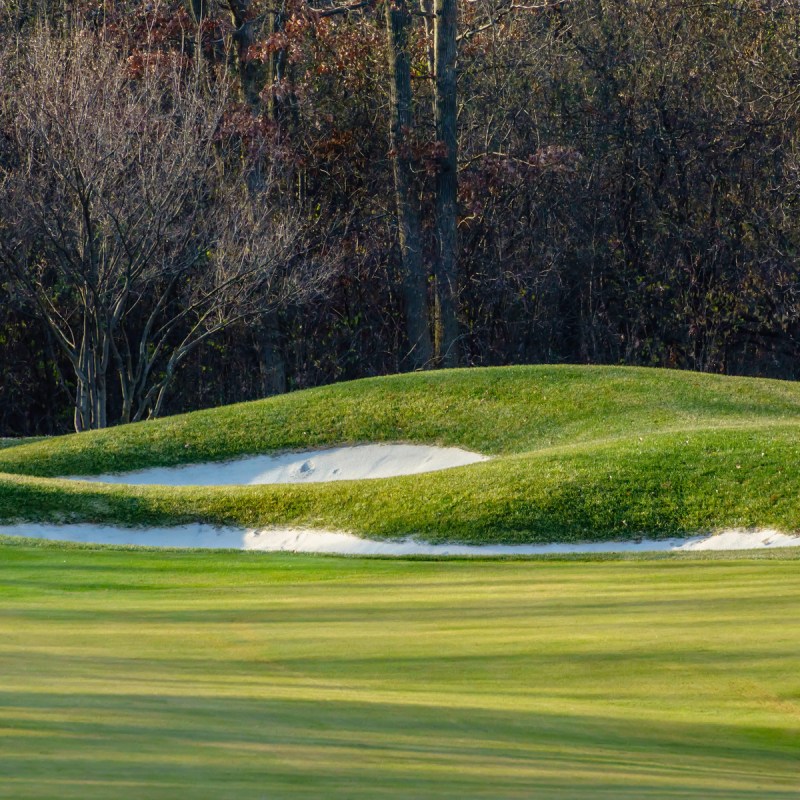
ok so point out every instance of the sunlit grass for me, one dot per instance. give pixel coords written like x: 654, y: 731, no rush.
x: 578, y: 453
x: 142, y: 674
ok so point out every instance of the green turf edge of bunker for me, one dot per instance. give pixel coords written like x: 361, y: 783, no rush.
x: 582, y: 453
x: 497, y: 411
x: 657, y: 486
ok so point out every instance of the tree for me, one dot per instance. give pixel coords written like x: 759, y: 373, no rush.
x: 415, y: 279
x: 122, y: 223
x: 445, y: 36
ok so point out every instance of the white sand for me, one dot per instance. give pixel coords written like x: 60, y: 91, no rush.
x: 743, y: 540
x: 335, y: 464
x: 308, y: 541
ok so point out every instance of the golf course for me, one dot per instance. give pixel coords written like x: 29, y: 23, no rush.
x: 576, y: 454
x: 145, y: 672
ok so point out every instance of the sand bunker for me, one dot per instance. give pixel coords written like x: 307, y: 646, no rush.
x: 742, y: 540
x: 338, y: 543
x: 334, y: 464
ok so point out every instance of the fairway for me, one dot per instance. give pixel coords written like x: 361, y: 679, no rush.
x: 143, y: 674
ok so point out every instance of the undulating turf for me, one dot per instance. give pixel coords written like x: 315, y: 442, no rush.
x: 156, y: 675
x: 579, y: 453
x: 147, y: 674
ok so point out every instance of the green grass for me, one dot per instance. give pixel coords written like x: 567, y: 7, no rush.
x: 579, y: 453
x: 7, y: 441
x: 141, y: 674
x: 131, y: 673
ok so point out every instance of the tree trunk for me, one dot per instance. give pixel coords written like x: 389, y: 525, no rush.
x: 276, y: 68
x: 415, y: 279
x: 197, y: 9
x: 446, y: 184
x: 273, y: 365
x: 426, y: 9
x: 252, y: 71
x: 254, y: 76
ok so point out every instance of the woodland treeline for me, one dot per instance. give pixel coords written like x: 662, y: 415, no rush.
x: 210, y: 201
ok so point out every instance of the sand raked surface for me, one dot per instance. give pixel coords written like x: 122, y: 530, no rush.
x: 341, y: 543
x: 358, y: 462
x: 342, y: 463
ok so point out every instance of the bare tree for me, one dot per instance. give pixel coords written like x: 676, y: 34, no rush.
x: 123, y: 223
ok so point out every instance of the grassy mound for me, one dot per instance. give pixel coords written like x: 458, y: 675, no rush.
x: 579, y: 453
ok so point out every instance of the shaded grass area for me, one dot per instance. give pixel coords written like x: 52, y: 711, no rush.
x: 580, y: 453
x: 144, y: 674
x: 6, y: 441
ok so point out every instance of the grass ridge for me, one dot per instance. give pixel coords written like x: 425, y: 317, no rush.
x: 621, y: 453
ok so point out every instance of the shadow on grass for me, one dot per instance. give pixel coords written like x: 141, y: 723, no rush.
x: 130, y: 745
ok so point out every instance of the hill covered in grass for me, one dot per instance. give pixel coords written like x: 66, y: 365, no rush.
x: 578, y: 453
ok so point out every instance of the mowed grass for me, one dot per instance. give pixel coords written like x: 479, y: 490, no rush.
x: 578, y: 453
x: 145, y: 674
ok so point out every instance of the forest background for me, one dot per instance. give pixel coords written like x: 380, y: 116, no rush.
x: 219, y: 200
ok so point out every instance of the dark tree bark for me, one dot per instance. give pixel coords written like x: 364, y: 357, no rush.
x: 415, y: 279
x: 252, y: 71
x: 198, y: 9
x: 445, y: 34
x: 254, y: 77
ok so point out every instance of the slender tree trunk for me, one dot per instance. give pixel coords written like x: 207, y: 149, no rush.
x: 446, y: 184
x: 197, y: 9
x: 271, y: 358
x: 415, y: 278
x: 79, y: 417
x: 252, y: 71
x: 426, y: 9
x: 276, y: 68
x: 254, y: 76
x: 102, y: 359
x: 273, y: 365
x: 125, y: 374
